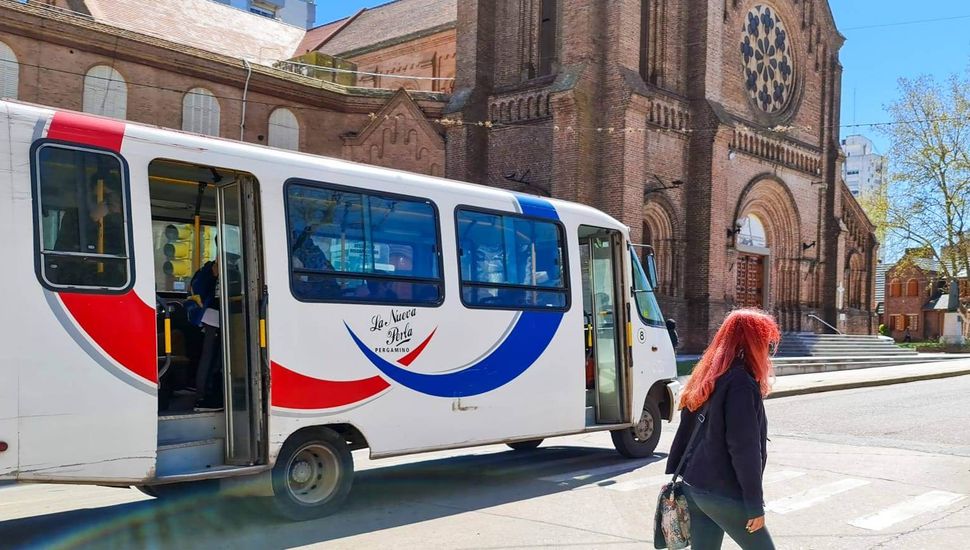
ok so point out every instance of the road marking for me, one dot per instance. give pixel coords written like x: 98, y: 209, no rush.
x: 582, y: 475
x: 813, y: 496
x: 654, y: 482
x: 779, y: 476
x: 927, y: 502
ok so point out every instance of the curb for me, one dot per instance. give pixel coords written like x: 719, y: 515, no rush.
x: 867, y: 383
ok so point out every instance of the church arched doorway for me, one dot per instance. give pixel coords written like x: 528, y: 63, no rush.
x: 753, y: 252
x: 768, y: 255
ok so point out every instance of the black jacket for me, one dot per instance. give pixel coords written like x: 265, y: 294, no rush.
x: 730, y: 451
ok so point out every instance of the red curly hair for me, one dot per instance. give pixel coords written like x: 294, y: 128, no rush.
x: 745, y: 331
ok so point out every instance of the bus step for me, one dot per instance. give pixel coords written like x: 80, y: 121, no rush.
x: 181, y: 428
x: 190, y: 457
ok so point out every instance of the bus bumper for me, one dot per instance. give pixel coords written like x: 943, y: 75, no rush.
x: 674, y: 388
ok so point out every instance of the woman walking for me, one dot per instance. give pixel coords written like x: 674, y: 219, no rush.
x: 723, y: 471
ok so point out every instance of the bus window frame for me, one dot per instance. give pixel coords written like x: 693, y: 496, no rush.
x: 566, y: 289
x: 440, y: 281
x: 37, y: 205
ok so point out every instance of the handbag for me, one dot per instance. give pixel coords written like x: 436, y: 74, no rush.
x: 671, y: 525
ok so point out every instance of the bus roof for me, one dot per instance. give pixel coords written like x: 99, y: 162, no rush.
x: 264, y: 153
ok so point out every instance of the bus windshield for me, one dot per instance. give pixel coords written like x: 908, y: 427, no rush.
x: 646, y: 298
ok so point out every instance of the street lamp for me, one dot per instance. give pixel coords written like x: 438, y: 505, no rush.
x: 673, y: 185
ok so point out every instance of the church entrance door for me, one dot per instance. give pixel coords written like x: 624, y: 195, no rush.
x: 749, y: 291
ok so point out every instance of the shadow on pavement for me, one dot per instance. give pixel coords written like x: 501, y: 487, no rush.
x: 381, y: 498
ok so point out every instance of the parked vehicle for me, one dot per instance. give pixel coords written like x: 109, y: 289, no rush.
x: 355, y: 307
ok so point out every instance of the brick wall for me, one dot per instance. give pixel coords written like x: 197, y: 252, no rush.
x: 428, y: 56
x: 692, y: 121
x: 55, y: 54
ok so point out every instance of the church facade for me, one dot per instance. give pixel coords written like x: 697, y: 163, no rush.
x: 710, y: 128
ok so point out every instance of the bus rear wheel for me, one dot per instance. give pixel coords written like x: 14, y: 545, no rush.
x: 312, y: 475
x: 525, y: 445
x: 640, y: 440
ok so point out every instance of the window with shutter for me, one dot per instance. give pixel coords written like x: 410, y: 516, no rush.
x: 912, y: 287
x: 895, y: 288
x: 9, y: 72
x: 284, y: 130
x: 105, y: 92
x: 913, y: 322
x: 200, y: 112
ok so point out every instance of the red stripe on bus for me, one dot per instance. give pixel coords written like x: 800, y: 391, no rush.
x: 409, y: 358
x: 87, y: 130
x: 292, y: 390
x: 122, y: 325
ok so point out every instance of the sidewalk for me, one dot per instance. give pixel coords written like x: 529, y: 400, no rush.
x: 800, y: 384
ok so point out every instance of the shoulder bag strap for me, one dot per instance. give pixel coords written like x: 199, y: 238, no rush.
x: 701, y: 417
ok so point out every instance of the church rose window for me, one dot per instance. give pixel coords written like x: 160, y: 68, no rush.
x: 766, y: 54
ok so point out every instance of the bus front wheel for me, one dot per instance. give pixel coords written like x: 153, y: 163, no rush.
x: 640, y: 440
x: 312, y: 475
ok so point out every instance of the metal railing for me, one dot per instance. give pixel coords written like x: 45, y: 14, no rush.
x: 819, y: 319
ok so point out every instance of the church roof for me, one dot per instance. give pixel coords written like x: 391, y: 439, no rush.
x: 397, y: 20
x: 318, y: 35
x: 203, y: 24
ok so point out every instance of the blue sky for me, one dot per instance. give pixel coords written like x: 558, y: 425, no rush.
x: 885, y: 40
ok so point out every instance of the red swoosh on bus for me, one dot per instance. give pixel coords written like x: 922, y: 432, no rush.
x: 292, y: 390
x: 120, y: 324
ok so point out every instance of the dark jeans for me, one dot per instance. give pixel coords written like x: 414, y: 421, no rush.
x: 712, y: 515
x: 208, y: 389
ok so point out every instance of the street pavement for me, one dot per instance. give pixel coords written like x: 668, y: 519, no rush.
x: 879, y: 467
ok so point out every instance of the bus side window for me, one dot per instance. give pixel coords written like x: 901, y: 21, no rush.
x: 81, y: 219
x: 510, y: 261
x: 350, y: 245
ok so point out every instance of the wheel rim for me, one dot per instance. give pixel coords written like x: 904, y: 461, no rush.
x: 643, y: 431
x: 312, y: 474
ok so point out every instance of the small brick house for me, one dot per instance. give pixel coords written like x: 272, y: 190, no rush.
x: 916, y: 298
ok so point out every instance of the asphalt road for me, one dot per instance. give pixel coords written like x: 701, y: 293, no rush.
x: 885, y: 467
x: 933, y: 416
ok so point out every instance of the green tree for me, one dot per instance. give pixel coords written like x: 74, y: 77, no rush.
x: 926, y: 203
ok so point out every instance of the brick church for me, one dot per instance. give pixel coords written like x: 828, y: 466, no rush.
x: 709, y: 127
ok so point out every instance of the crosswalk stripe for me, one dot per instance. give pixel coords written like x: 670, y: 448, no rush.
x: 582, y: 475
x: 779, y: 476
x: 813, y: 496
x: 656, y: 482
x: 927, y: 502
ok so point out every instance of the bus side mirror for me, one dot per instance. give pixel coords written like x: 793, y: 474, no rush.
x: 651, y: 270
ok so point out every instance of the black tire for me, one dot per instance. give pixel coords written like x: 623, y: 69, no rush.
x: 631, y: 445
x: 525, y: 445
x: 312, y: 475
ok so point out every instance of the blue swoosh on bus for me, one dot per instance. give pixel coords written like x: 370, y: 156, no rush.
x: 525, y: 343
